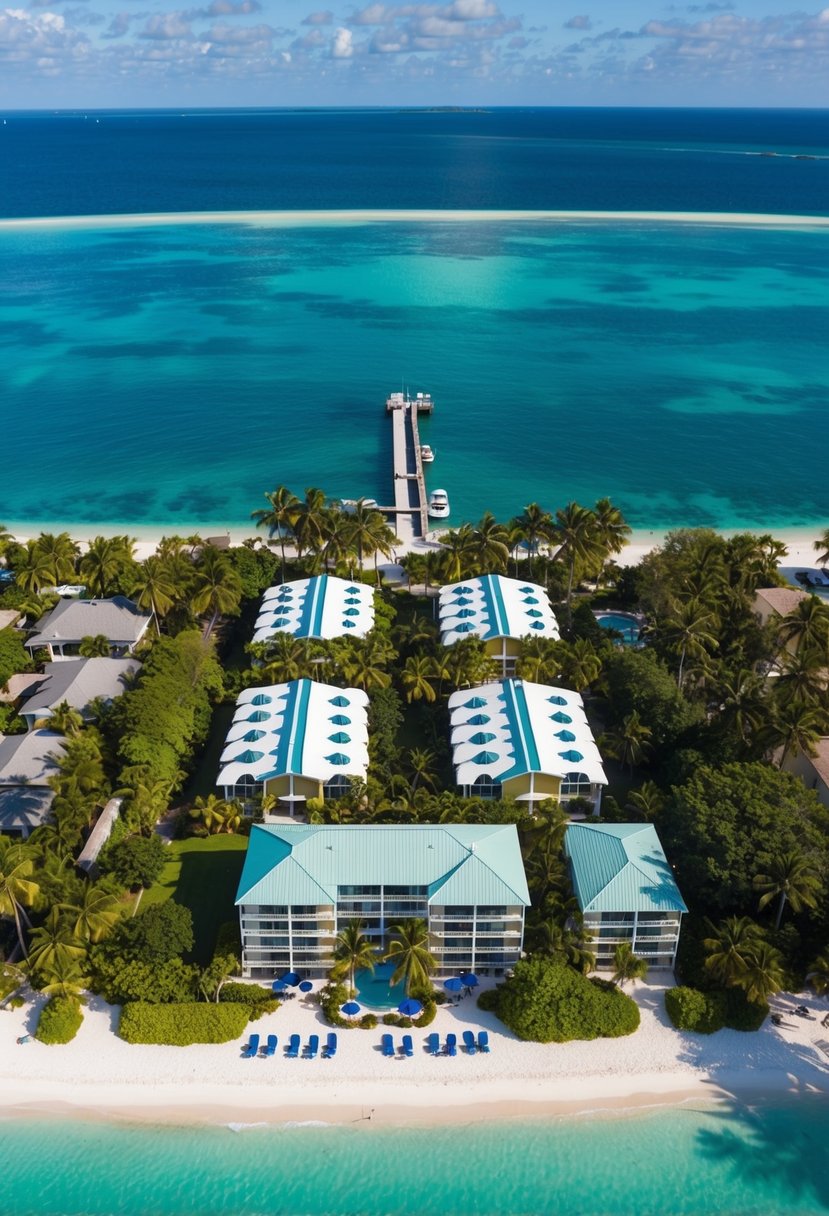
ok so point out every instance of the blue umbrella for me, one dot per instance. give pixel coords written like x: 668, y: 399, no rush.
x: 306, y: 986
x: 453, y: 985
x: 410, y: 1008
x: 290, y: 977
x: 351, y: 1008
x: 469, y: 979
x: 278, y: 986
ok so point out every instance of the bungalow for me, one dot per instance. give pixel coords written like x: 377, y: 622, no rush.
x: 26, y: 764
x: 322, y: 607
x: 297, y: 741
x: 63, y: 629
x: 77, y: 683
x: 514, y: 739
x: 625, y: 890
x: 501, y: 611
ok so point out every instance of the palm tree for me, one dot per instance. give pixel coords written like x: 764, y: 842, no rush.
x: 146, y: 802
x: 155, y: 586
x: 818, y: 973
x: 62, y: 977
x: 416, y: 677
x: 630, y: 742
x: 353, y: 952
x: 94, y: 647
x: 490, y: 544
x: 612, y: 530
x: 54, y: 942
x: 61, y: 552
x: 96, y: 913
x: 763, y: 973
x: 576, y: 533
x: 421, y: 763
x: 729, y: 946
x: 409, y: 951
x: 626, y: 966
x: 286, y: 658
x: 366, y: 527
x: 690, y: 630
x: 794, y: 879
x: 802, y: 678
x: 540, y: 660
x: 534, y: 524
x: 364, y: 661
x: 741, y: 702
x: 580, y: 664
x: 17, y: 890
x: 64, y: 720
x: 308, y: 521
x: 648, y: 801
x: 217, y: 814
x: 795, y: 727
x: 807, y: 625
x: 217, y: 588
x: 821, y: 547
x: 104, y: 562
x: 278, y: 517
x: 457, y: 554
x: 34, y: 571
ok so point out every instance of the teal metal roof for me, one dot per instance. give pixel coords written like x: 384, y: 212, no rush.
x: 620, y: 867
x: 458, y: 863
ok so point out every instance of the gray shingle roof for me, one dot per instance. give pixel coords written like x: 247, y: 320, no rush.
x: 26, y: 759
x: 24, y: 808
x: 118, y: 619
x: 78, y: 681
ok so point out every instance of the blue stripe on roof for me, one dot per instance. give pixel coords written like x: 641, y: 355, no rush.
x: 494, y: 606
x: 299, y: 726
x: 310, y: 623
x: 522, y: 738
x: 282, y: 756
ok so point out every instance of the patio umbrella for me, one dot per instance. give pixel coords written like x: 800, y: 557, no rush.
x: 350, y: 1009
x: 279, y: 986
x: 410, y: 1008
x: 469, y: 979
x: 453, y: 985
x: 290, y: 977
x: 306, y: 986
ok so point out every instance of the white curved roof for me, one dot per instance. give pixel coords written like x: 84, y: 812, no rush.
x: 321, y: 607
x: 302, y: 727
x: 492, y: 606
x: 514, y: 727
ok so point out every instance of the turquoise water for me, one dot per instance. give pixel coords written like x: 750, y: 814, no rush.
x: 627, y: 626
x: 736, y: 1161
x: 167, y: 376
x: 374, y: 989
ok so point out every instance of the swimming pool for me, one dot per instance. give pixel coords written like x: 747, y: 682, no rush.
x: 374, y: 989
x: 624, y: 623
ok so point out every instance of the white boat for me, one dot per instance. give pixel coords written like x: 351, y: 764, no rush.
x: 438, y: 504
x: 426, y: 453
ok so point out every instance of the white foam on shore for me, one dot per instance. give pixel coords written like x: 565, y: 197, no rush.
x: 309, y: 219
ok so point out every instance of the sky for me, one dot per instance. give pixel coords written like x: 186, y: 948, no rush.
x: 137, y: 53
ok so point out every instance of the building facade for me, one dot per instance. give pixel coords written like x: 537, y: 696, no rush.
x: 322, y: 607
x: 301, y: 885
x: 62, y: 630
x: 501, y: 611
x: 626, y: 891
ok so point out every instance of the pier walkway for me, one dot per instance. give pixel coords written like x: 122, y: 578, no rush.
x: 410, y: 502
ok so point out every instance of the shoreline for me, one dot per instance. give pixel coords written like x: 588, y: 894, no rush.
x: 323, y: 218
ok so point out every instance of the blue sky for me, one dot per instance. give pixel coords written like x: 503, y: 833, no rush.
x: 462, y: 52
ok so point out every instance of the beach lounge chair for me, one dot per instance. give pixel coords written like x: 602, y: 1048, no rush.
x: 330, y: 1049
x: 483, y: 1041
x: 451, y: 1045
x: 433, y: 1044
x: 251, y: 1048
x: 292, y: 1050
x: 408, y: 1047
x: 313, y: 1047
x: 270, y: 1049
x: 469, y: 1042
x: 387, y: 1043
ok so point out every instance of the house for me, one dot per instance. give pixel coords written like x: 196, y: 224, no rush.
x: 77, y: 683
x: 298, y: 740
x: 301, y: 885
x: 26, y: 764
x: 514, y: 739
x: 773, y: 603
x: 322, y: 607
x: 501, y: 611
x: 813, y: 771
x: 63, y: 629
x: 626, y: 890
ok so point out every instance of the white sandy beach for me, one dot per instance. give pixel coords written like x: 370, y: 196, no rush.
x: 98, y: 1075
x: 323, y: 218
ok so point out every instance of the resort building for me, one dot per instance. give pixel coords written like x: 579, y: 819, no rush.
x: 813, y: 771
x: 297, y: 741
x: 301, y: 886
x: 514, y: 739
x: 76, y: 683
x: 772, y: 603
x: 26, y: 764
x: 501, y: 611
x: 626, y: 890
x: 322, y: 607
x: 63, y: 629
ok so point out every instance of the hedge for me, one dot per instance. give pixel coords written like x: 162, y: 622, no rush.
x: 259, y: 1000
x: 545, y: 1001
x: 183, y: 1024
x: 60, y: 1020
x: 707, y: 1012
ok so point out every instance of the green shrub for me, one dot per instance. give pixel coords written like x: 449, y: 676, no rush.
x: 332, y: 997
x: 428, y: 1016
x: 368, y: 1021
x: 690, y: 1009
x: 391, y: 1019
x: 183, y: 1024
x: 119, y: 980
x: 228, y: 939
x: 259, y: 1000
x: 135, y: 862
x: 546, y: 1001
x: 742, y: 1014
x: 60, y: 1020
x: 488, y: 1000
x: 16, y: 1002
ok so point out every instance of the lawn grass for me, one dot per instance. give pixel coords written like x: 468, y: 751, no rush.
x: 202, y: 873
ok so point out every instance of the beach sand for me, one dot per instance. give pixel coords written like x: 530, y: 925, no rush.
x: 99, y: 1076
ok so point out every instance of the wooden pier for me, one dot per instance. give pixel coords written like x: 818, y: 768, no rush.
x: 410, y: 502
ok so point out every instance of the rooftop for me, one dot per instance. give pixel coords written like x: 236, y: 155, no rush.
x: 118, y: 619
x: 493, y: 606
x: 321, y: 607
x: 302, y: 727
x: 620, y: 867
x: 78, y: 682
x: 820, y: 760
x: 26, y: 759
x: 460, y: 864
x: 781, y: 599
x: 24, y: 807
x: 513, y: 727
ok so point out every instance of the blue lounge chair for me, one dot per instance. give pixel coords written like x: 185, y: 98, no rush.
x: 313, y: 1047
x: 433, y: 1044
x: 292, y: 1050
x: 270, y: 1050
x: 330, y: 1049
x: 451, y: 1045
x: 469, y: 1042
x: 251, y: 1048
x: 388, y: 1045
x: 408, y: 1046
x: 483, y: 1041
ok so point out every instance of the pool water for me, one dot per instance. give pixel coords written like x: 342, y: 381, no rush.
x: 623, y: 623
x: 374, y: 989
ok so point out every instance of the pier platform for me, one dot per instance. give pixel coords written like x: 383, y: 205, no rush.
x: 410, y: 502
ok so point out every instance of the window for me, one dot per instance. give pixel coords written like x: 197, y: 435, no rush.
x: 246, y: 788
x: 485, y: 786
x: 337, y: 787
x: 575, y: 785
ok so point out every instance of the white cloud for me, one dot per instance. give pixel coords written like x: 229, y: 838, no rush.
x: 320, y: 18
x: 342, y: 45
x: 166, y: 27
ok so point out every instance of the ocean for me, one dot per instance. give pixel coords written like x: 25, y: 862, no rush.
x: 757, y: 1161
